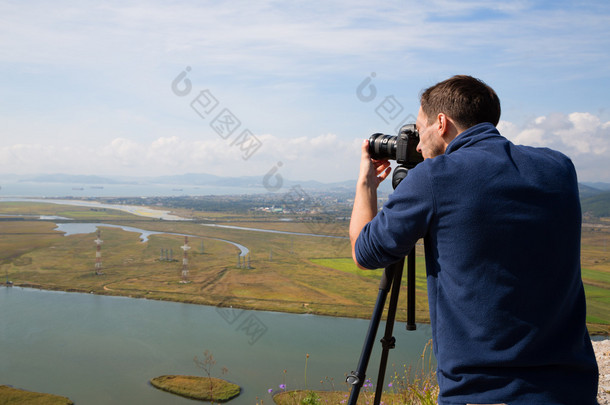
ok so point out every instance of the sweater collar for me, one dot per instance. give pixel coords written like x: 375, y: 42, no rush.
x: 472, y: 135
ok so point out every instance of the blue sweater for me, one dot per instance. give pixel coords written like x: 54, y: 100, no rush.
x: 501, y: 227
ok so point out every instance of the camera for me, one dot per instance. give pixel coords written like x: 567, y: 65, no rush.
x: 402, y: 147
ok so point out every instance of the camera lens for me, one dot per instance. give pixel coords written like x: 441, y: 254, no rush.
x: 382, y: 146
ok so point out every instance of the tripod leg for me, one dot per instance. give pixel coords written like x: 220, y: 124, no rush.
x: 388, y: 340
x: 411, y: 291
x: 356, y: 378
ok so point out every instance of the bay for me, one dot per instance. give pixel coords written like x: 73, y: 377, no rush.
x: 104, y: 350
x: 11, y: 188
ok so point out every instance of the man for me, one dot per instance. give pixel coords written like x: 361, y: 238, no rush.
x: 501, y: 227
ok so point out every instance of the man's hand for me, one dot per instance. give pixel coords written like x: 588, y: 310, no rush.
x: 372, y: 173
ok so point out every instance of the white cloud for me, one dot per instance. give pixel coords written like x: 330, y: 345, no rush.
x: 574, y: 134
x: 324, y: 157
x: 582, y: 136
x: 38, y: 158
x: 123, y: 152
x: 531, y: 136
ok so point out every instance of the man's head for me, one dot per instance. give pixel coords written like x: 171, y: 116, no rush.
x: 466, y: 100
x: 450, y: 107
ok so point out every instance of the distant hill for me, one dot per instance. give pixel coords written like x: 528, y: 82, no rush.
x: 597, y: 205
x: 598, y: 185
x: 69, y: 178
x: 595, y: 199
x: 588, y: 191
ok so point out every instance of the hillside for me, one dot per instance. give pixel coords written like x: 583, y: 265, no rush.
x: 597, y: 205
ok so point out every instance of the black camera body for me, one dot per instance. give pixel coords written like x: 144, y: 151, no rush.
x: 402, y: 147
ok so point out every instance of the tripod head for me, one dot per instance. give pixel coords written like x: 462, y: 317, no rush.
x: 400, y: 172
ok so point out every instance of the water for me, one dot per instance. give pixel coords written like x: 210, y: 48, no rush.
x: 85, y: 228
x: 103, y: 350
x: 48, y: 189
x: 132, y: 209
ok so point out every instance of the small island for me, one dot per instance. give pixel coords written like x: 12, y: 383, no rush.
x: 10, y: 395
x: 200, y: 388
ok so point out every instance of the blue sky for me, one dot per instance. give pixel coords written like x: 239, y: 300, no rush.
x: 88, y: 87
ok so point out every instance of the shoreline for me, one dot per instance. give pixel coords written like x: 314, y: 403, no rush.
x: 108, y: 292
x: 189, y: 302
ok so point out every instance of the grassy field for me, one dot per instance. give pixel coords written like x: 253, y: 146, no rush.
x: 10, y: 395
x: 595, y: 262
x: 289, y: 273
x: 282, y: 277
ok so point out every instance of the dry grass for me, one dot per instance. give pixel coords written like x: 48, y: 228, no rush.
x: 281, y: 278
x: 290, y: 273
x: 200, y: 388
x: 409, y: 386
x: 329, y: 397
x: 10, y: 395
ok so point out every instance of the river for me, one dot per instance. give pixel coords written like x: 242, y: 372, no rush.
x: 90, y: 227
x: 104, y: 350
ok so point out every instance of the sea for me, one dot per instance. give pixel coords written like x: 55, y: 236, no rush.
x: 13, y: 188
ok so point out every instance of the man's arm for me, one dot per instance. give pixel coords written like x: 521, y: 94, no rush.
x: 372, y: 173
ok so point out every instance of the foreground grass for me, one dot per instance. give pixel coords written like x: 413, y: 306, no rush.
x: 308, y: 397
x: 407, y: 386
x: 10, y: 395
x: 200, y: 388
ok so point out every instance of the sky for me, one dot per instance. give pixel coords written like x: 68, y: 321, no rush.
x: 285, y: 88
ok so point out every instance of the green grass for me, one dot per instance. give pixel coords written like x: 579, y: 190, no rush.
x: 595, y: 260
x: 200, y: 388
x: 347, y: 265
x: 598, y: 302
x: 592, y: 276
x: 10, y: 395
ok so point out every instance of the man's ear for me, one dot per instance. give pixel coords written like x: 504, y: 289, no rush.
x: 442, y: 124
x: 446, y: 128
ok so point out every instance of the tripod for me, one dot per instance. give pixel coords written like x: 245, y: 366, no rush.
x: 391, y: 278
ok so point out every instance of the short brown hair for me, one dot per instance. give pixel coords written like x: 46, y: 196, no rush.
x: 467, y: 100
